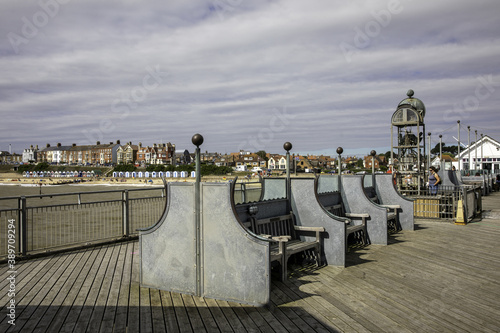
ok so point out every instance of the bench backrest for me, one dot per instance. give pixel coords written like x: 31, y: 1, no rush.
x: 274, y: 226
x: 371, y: 193
x: 337, y: 210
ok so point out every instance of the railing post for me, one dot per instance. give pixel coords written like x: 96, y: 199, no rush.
x: 22, y: 227
x: 125, y: 214
x: 243, y: 192
x: 197, y: 140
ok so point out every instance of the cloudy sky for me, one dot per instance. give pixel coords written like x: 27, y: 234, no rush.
x: 245, y: 74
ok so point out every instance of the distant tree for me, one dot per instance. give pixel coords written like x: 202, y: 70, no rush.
x: 262, y: 154
x: 359, y: 163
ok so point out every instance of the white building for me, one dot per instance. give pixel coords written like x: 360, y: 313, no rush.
x: 483, y: 154
x: 29, y: 154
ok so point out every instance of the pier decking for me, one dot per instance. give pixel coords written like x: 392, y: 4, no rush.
x: 439, y: 278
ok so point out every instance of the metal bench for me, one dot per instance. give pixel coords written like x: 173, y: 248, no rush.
x: 357, y: 230
x: 392, y: 210
x: 284, y: 233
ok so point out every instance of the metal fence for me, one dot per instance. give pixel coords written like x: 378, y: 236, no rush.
x: 37, y: 223
x: 246, y: 192
x: 448, y: 203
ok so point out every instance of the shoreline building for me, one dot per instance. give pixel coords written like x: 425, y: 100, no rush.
x: 481, y: 155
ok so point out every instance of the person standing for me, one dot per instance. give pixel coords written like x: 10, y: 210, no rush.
x: 434, y: 180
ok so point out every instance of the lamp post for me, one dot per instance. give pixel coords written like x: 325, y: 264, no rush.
x: 459, y: 168
x: 288, y: 146
x: 440, y: 150
x: 340, y: 150
x: 468, y: 147
x: 373, y: 153
x: 197, y: 140
x: 429, y: 153
x: 475, y: 150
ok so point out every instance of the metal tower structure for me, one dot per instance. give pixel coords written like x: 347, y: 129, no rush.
x: 408, y: 144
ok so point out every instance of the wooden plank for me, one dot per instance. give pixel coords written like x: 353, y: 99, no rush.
x: 27, y: 302
x: 181, y: 313
x: 145, y: 315
x: 54, y: 288
x: 88, y: 304
x: 79, y: 301
x: 80, y: 258
x: 231, y: 316
x: 193, y: 314
x: 157, y: 320
x: 169, y: 312
x: 218, y: 315
x: 111, y: 309
x: 101, y: 302
x: 133, y: 319
x: 293, y: 311
x: 206, y: 315
x: 67, y: 305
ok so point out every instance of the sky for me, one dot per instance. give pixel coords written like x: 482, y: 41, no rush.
x: 248, y: 75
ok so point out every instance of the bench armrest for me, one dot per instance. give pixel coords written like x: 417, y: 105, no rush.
x: 315, y: 229
x: 302, y: 228
x: 361, y: 215
x: 392, y: 206
x: 282, y: 238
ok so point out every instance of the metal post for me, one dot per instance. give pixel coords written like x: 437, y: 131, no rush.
x: 197, y: 140
x: 340, y: 150
x: 429, y: 153
x: 481, y: 151
x: 468, y: 147
x: 22, y: 227
x: 440, y: 150
x: 287, y: 146
x: 475, y: 149
x: 125, y: 214
x: 373, y: 153
x: 459, y: 168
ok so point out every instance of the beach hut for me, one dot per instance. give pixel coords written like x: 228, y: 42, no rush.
x: 146, y: 174
x: 115, y: 174
x: 184, y: 174
x: 120, y: 174
x: 168, y: 174
x: 161, y: 174
x: 153, y: 174
x: 127, y: 174
x: 134, y: 174
x: 25, y: 174
x: 176, y: 174
x: 140, y: 175
x: 193, y: 174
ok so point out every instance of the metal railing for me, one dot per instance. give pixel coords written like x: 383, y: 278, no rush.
x: 37, y: 223
x: 246, y: 192
x: 445, y: 203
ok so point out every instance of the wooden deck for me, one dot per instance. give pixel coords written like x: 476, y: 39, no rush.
x: 438, y: 278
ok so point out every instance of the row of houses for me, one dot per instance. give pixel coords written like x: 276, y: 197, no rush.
x: 114, y: 153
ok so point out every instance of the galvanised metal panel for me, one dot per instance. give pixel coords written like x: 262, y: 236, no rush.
x: 309, y: 212
x: 328, y: 184
x: 356, y: 201
x: 388, y: 195
x: 273, y: 188
x: 236, y: 263
x: 168, y: 249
